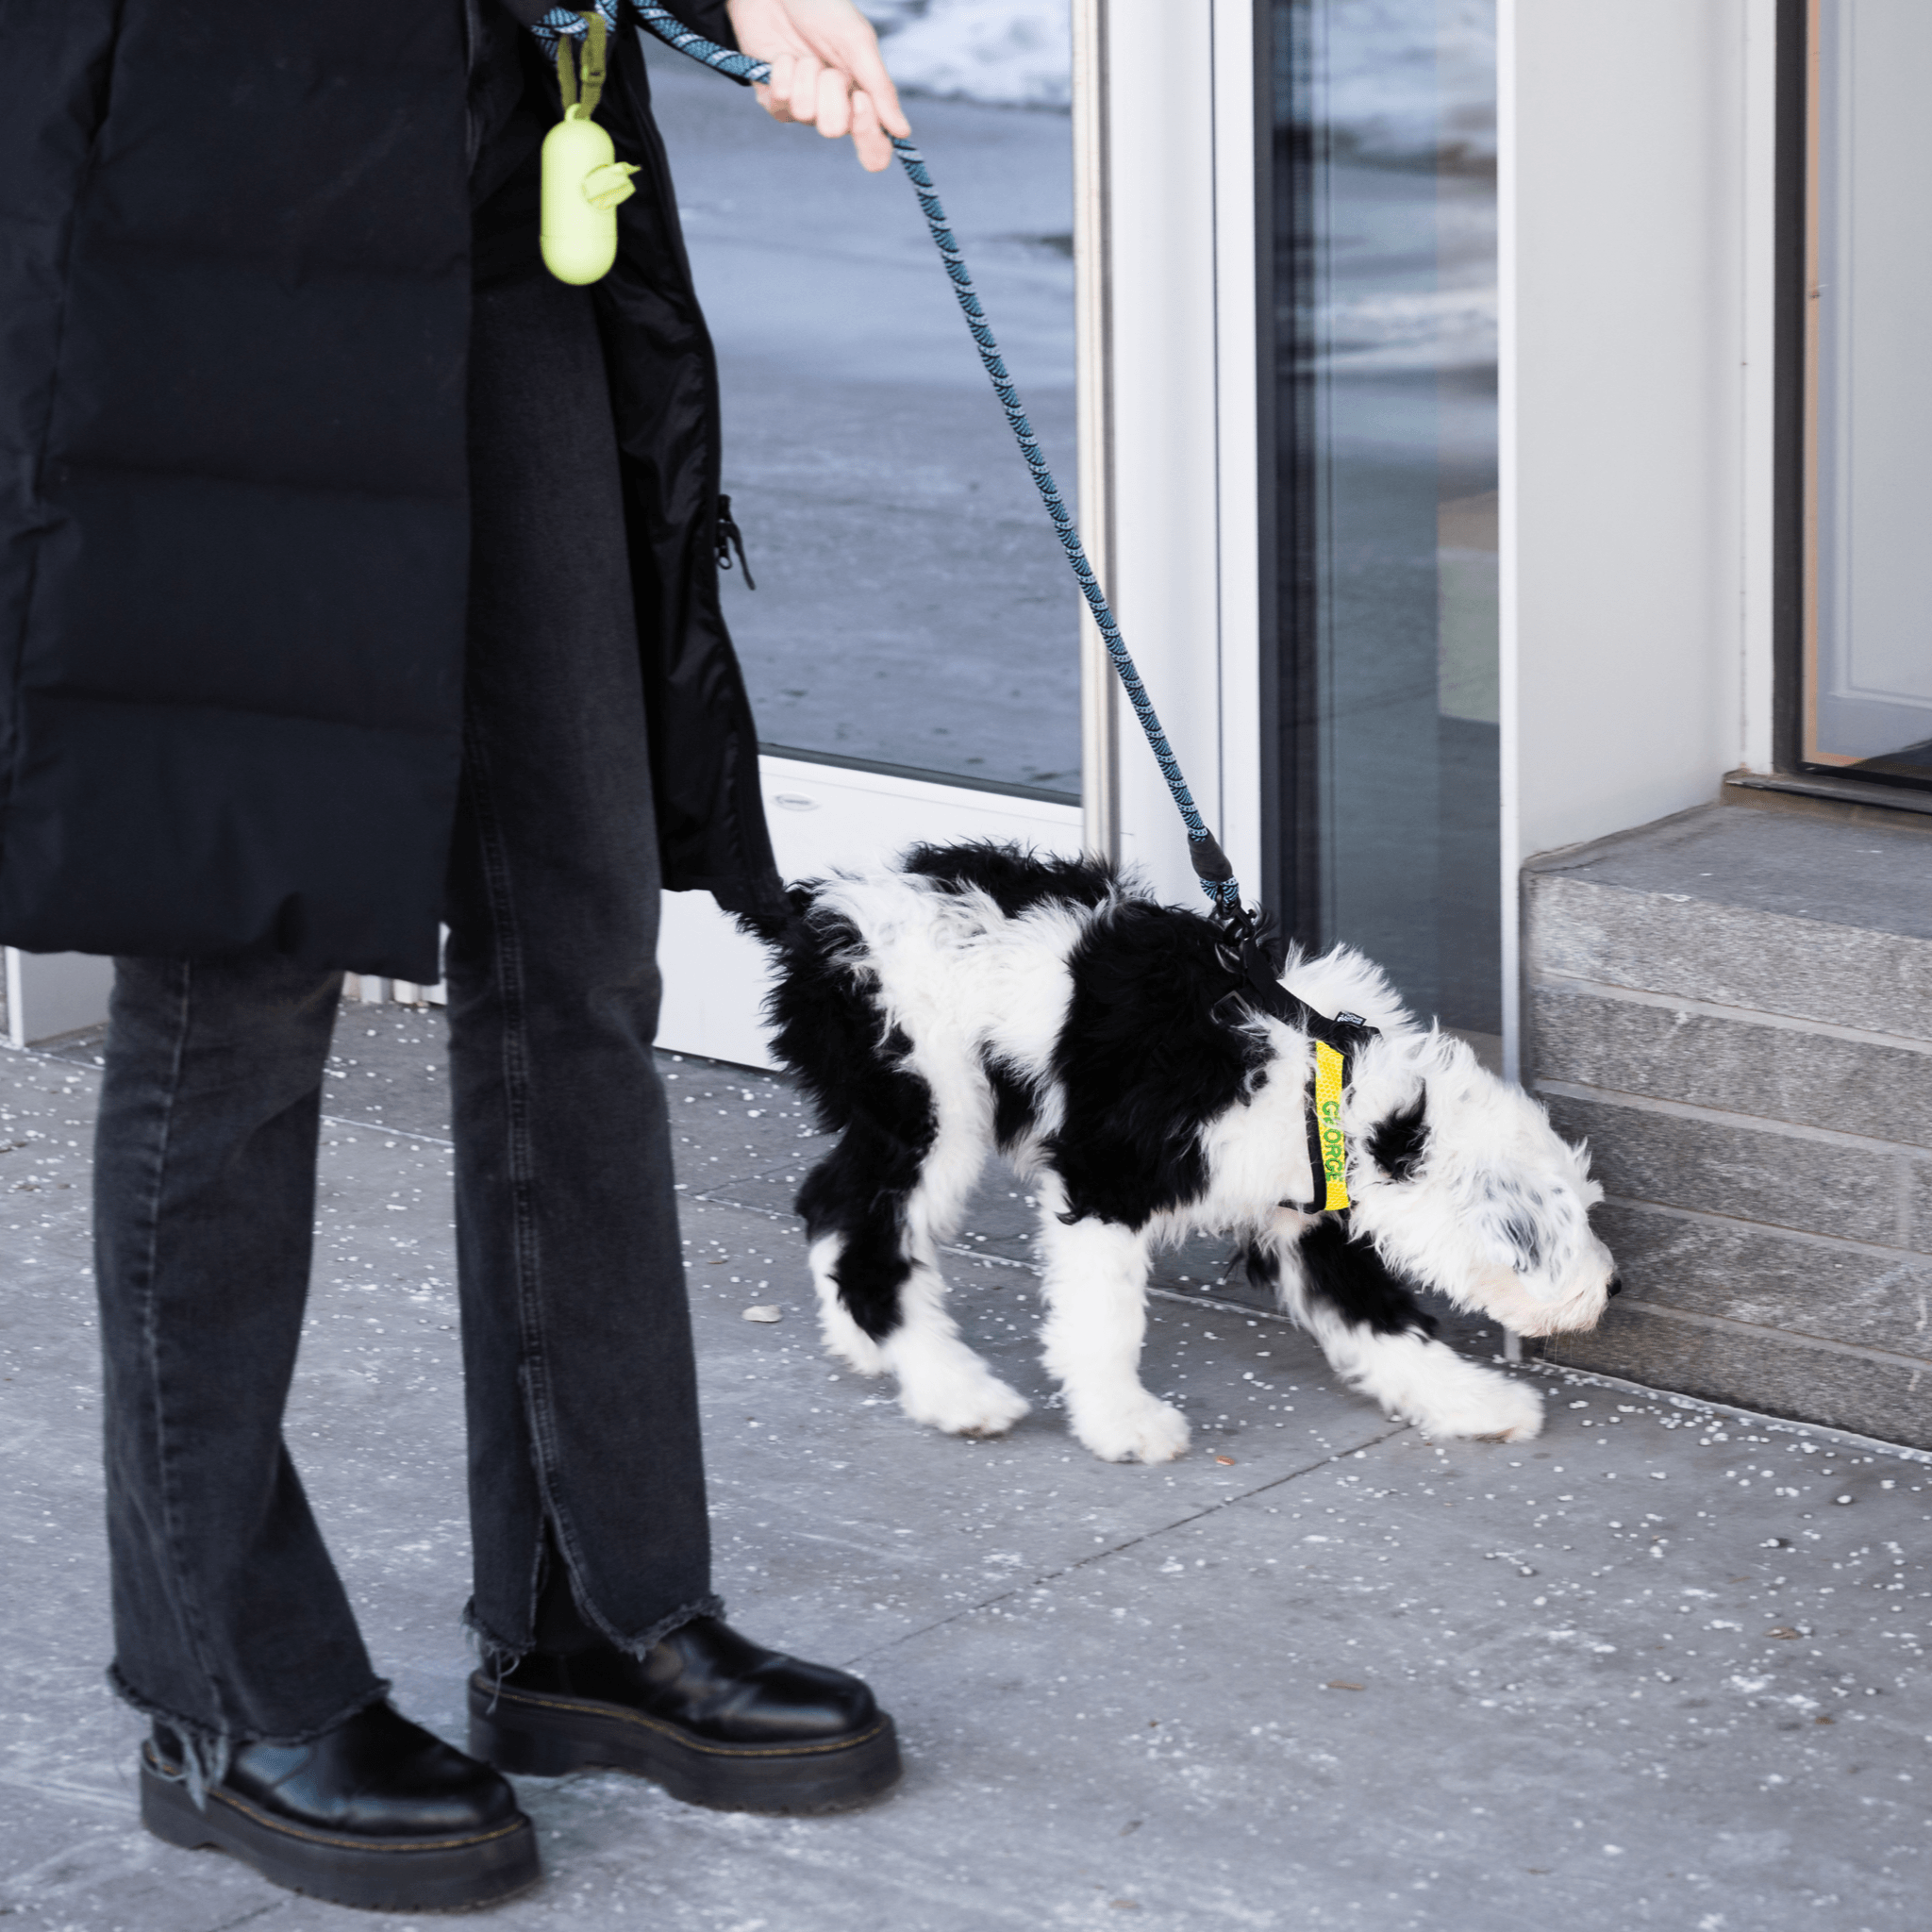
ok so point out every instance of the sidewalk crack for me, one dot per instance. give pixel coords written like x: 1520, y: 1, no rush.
x: 343, y: 1120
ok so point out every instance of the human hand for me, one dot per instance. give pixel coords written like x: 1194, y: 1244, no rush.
x: 825, y: 71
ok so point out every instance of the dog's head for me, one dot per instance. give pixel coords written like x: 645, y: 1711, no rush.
x: 1465, y: 1188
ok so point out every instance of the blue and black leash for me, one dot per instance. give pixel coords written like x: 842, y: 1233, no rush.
x: 1210, y: 864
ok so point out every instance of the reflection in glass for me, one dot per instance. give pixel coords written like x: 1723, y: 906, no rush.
x: 1385, y: 283
x: 1868, y: 646
x: 913, y: 609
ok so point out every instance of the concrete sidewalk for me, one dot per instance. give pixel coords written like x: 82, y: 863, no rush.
x: 1662, y: 1668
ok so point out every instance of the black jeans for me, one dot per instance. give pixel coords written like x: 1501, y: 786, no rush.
x: 230, y: 1620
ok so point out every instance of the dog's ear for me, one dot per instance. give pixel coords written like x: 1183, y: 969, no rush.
x: 1397, y: 1145
x: 1521, y: 1233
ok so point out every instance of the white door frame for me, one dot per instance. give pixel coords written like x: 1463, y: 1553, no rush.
x: 1181, y: 385
x: 52, y: 994
x: 1638, y: 404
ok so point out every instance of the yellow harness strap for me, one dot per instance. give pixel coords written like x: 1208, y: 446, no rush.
x: 1331, y: 1074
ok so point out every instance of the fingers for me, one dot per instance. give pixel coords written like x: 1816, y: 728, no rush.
x: 852, y: 51
x: 834, y: 115
x: 774, y: 96
x: 825, y: 71
x: 800, y: 86
x: 803, y: 91
x: 868, y: 138
x: 870, y: 78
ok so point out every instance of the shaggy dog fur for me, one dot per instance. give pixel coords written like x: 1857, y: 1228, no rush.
x: 975, y: 997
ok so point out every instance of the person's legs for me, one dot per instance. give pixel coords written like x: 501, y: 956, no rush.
x: 576, y: 1336
x: 230, y: 1620
x: 272, y: 1738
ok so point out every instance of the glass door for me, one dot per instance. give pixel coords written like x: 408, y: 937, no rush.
x: 913, y: 645
x: 1385, y: 741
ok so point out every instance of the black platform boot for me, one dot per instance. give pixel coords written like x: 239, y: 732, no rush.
x: 714, y: 1718
x: 375, y: 1812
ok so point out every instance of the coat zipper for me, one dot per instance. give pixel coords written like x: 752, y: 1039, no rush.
x: 731, y: 537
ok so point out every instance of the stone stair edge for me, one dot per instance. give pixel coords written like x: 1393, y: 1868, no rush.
x: 1583, y: 985
x: 1667, y: 1107
x: 1841, y: 1294
x: 1553, y: 894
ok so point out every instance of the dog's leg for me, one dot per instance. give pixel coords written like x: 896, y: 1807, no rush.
x: 1097, y: 1319
x: 1381, y: 1343
x: 942, y: 1381
x: 845, y: 1340
x: 852, y: 1230
x: 853, y: 1204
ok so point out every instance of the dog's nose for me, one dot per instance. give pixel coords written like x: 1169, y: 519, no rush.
x: 1616, y: 1286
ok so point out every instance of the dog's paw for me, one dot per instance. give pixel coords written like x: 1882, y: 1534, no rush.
x: 1142, y: 1430
x: 857, y: 1350
x: 1495, y: 1409
x: 976, y: 1405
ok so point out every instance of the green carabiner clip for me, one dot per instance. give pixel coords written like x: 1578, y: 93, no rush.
x: 584, y: 182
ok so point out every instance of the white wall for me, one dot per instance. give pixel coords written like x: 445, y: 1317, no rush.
x: 52, y: 994
x: 1636, y: 300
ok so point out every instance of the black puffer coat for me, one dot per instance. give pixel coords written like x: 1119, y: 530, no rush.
x: 234, y: 306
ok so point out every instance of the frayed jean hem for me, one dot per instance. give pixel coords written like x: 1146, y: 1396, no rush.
x: 496, y: 1659
x: 206, y: 1749
x: 707, y: 1606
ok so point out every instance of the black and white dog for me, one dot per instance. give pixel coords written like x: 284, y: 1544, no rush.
x: 975, y: 997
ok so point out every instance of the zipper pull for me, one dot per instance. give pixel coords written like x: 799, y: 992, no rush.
x: 731, y: 537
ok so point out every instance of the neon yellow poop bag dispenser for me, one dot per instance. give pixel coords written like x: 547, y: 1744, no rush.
x: 583, y: 179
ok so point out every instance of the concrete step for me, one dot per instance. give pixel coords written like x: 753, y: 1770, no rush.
x: 1669, y: 1048
x: 1775, y: 912
x: 1735, y: 1009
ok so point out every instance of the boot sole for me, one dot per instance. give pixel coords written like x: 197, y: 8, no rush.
x: 532, y: 1735
x: 405, y: 1875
